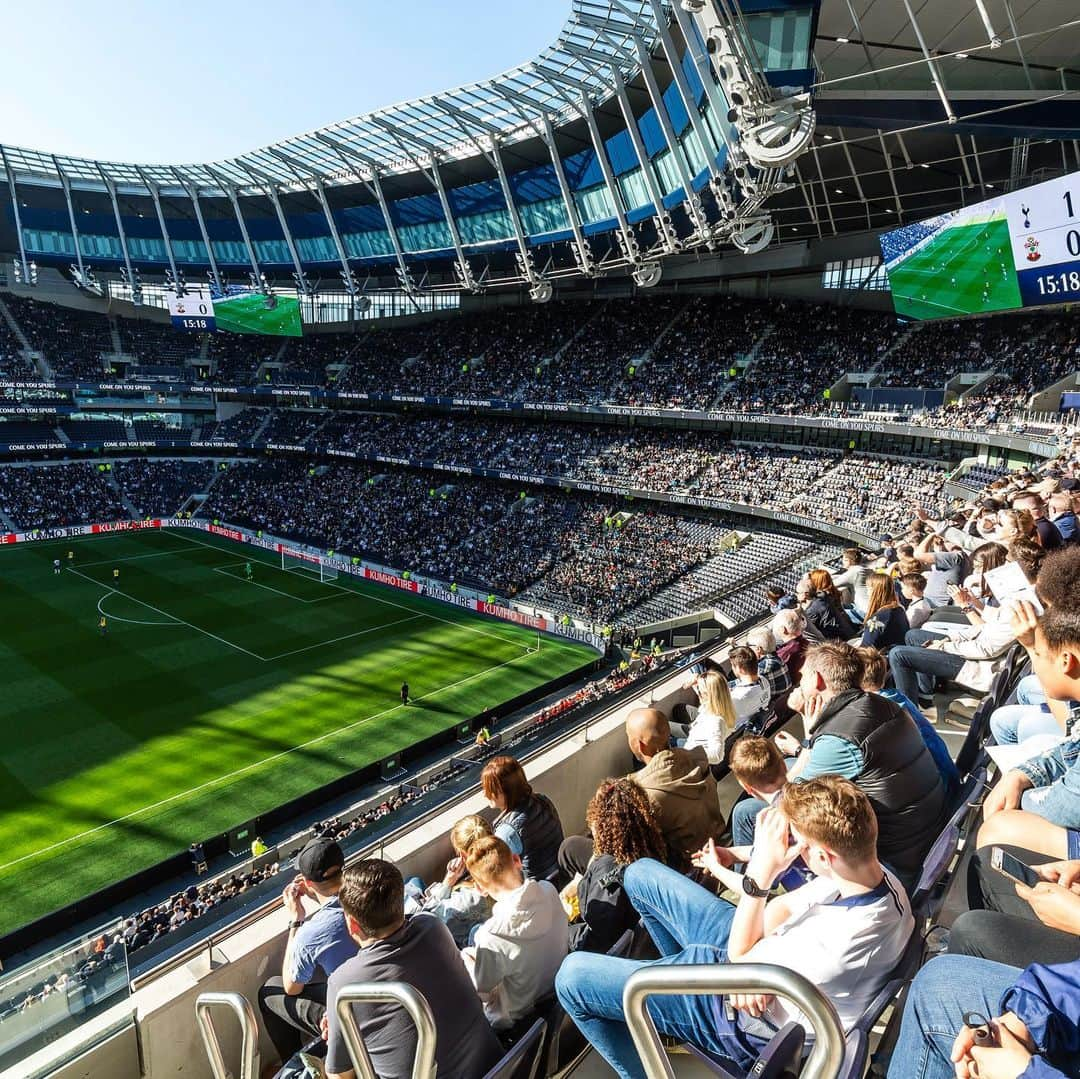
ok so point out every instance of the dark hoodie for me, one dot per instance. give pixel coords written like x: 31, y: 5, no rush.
x: 682, y: 792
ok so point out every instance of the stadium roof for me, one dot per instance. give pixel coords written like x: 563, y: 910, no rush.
x: 451, y: 125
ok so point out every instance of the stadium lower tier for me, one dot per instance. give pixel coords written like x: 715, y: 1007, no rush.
x: 192, y: 685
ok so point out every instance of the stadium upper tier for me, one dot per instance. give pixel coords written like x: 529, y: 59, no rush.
x: 670, y: 351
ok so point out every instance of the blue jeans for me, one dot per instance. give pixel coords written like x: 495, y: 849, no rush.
x: 915, y: 669
x: 689, y: 925
x: 1030, y: 716
x: 942, y: 991
x: 743, y: 819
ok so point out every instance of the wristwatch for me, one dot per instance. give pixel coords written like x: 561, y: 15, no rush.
x: 750, y: 887
x: 296, y: 924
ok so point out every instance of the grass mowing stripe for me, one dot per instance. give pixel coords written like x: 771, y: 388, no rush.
x: 249, y: 767
x: 175, y: 737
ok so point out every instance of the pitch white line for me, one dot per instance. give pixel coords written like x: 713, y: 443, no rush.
x: 346, y: 637
x: 158, y: 610
x: 377, y: 599
x: 131, y: 558
x: 129, y: 621
x: 249, y: 767
x: 224, y: 571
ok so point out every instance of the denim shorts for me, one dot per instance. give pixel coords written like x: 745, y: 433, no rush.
x: 1072, y: 836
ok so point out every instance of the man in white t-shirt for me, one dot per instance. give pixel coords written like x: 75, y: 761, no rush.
x: 844, y: 931
x: 749, y: 691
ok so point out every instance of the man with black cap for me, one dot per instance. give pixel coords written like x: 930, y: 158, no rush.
x: 318, y: 944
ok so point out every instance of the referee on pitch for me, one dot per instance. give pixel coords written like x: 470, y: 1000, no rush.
x: 404, y: 693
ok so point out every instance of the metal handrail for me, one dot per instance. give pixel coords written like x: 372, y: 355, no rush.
x: 249, y: 1048
x: 393, y: 993
x: 827, y: 1053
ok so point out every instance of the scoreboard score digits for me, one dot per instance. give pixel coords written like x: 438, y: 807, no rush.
x: 1021, y: 249
x: 192, y: 314
x: 1046, y: 231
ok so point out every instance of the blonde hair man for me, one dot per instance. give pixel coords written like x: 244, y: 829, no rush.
x: 517, y: 951
x: 844, y: 931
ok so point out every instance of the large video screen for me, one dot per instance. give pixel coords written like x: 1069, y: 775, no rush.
x: 1017, y: 250
x: 239, y: 312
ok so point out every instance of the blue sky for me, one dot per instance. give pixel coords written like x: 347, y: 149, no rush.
x: 159, y: 81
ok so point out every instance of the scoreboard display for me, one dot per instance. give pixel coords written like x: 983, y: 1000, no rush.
x: 1017, y: 250
x: 192, y: 314
x: 241, y: 311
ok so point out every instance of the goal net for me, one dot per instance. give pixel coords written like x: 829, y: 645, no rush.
x: 310, y: 565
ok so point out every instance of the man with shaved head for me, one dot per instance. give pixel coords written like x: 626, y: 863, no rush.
x: 678, y: 784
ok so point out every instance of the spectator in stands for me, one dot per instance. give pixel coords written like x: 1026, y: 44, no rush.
x: 455, y: 899
x: 749, y: 691
x: 825, y: 612
x: 514, y: 955
x: 789, y: 628
x: 527, y: 821
x: 778, y: 599
x: 886, y: 622
x: 875, y: 672
x: 761, y: 771
x: 420, y: 952
x: 943, y: 566
x: 844, y: 932
x: 919, y: 608
x: 1035, y: 1014
x: 771, y: 667
x: 1037, y: 805
x: 871, y: 741
x: 854, y: 576
x: 970, y: 655
x: 1012, y: 923
x: 319, y: 944
x: 1063, y: 517
x: 1049, y: 536
x: 624, y: 829
x: 711, y: 721
x: 678, y: 784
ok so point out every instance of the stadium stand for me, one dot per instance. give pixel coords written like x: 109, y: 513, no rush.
x: 826, y: 635
x: 160, y: 488
x: 42, y: 497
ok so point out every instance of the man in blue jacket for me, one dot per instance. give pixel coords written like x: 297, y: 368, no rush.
x: 1034, y: 1015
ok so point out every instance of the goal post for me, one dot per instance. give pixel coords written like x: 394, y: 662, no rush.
x: 294, y: 560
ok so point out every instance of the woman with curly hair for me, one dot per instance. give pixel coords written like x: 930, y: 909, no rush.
x: 624, y: 829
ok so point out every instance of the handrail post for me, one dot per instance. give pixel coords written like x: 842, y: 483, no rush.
x: 249, y: 1049
x: 827, y: 1053
x: 393, y: 993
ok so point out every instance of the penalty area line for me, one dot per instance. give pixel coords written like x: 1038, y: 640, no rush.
x: 250, y: 767
x: 165, y: 614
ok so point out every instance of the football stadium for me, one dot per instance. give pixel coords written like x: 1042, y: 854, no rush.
x: 575, y: 573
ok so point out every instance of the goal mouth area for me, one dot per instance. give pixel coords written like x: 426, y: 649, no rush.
x: 307, y: 565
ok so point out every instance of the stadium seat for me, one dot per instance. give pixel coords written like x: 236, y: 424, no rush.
x: 556, y: 1053
x: 928, y: 893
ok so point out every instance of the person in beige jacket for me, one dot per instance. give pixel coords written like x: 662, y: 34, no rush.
x: 678, y: 784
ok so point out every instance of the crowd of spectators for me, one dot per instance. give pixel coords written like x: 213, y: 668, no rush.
x: 670, y: 351
x: 50, y: 495
x: 73, y: 344
x: 161, y: 488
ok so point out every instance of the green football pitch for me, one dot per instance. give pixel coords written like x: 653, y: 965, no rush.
x: 211, y: 699
x: 966, y: 269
